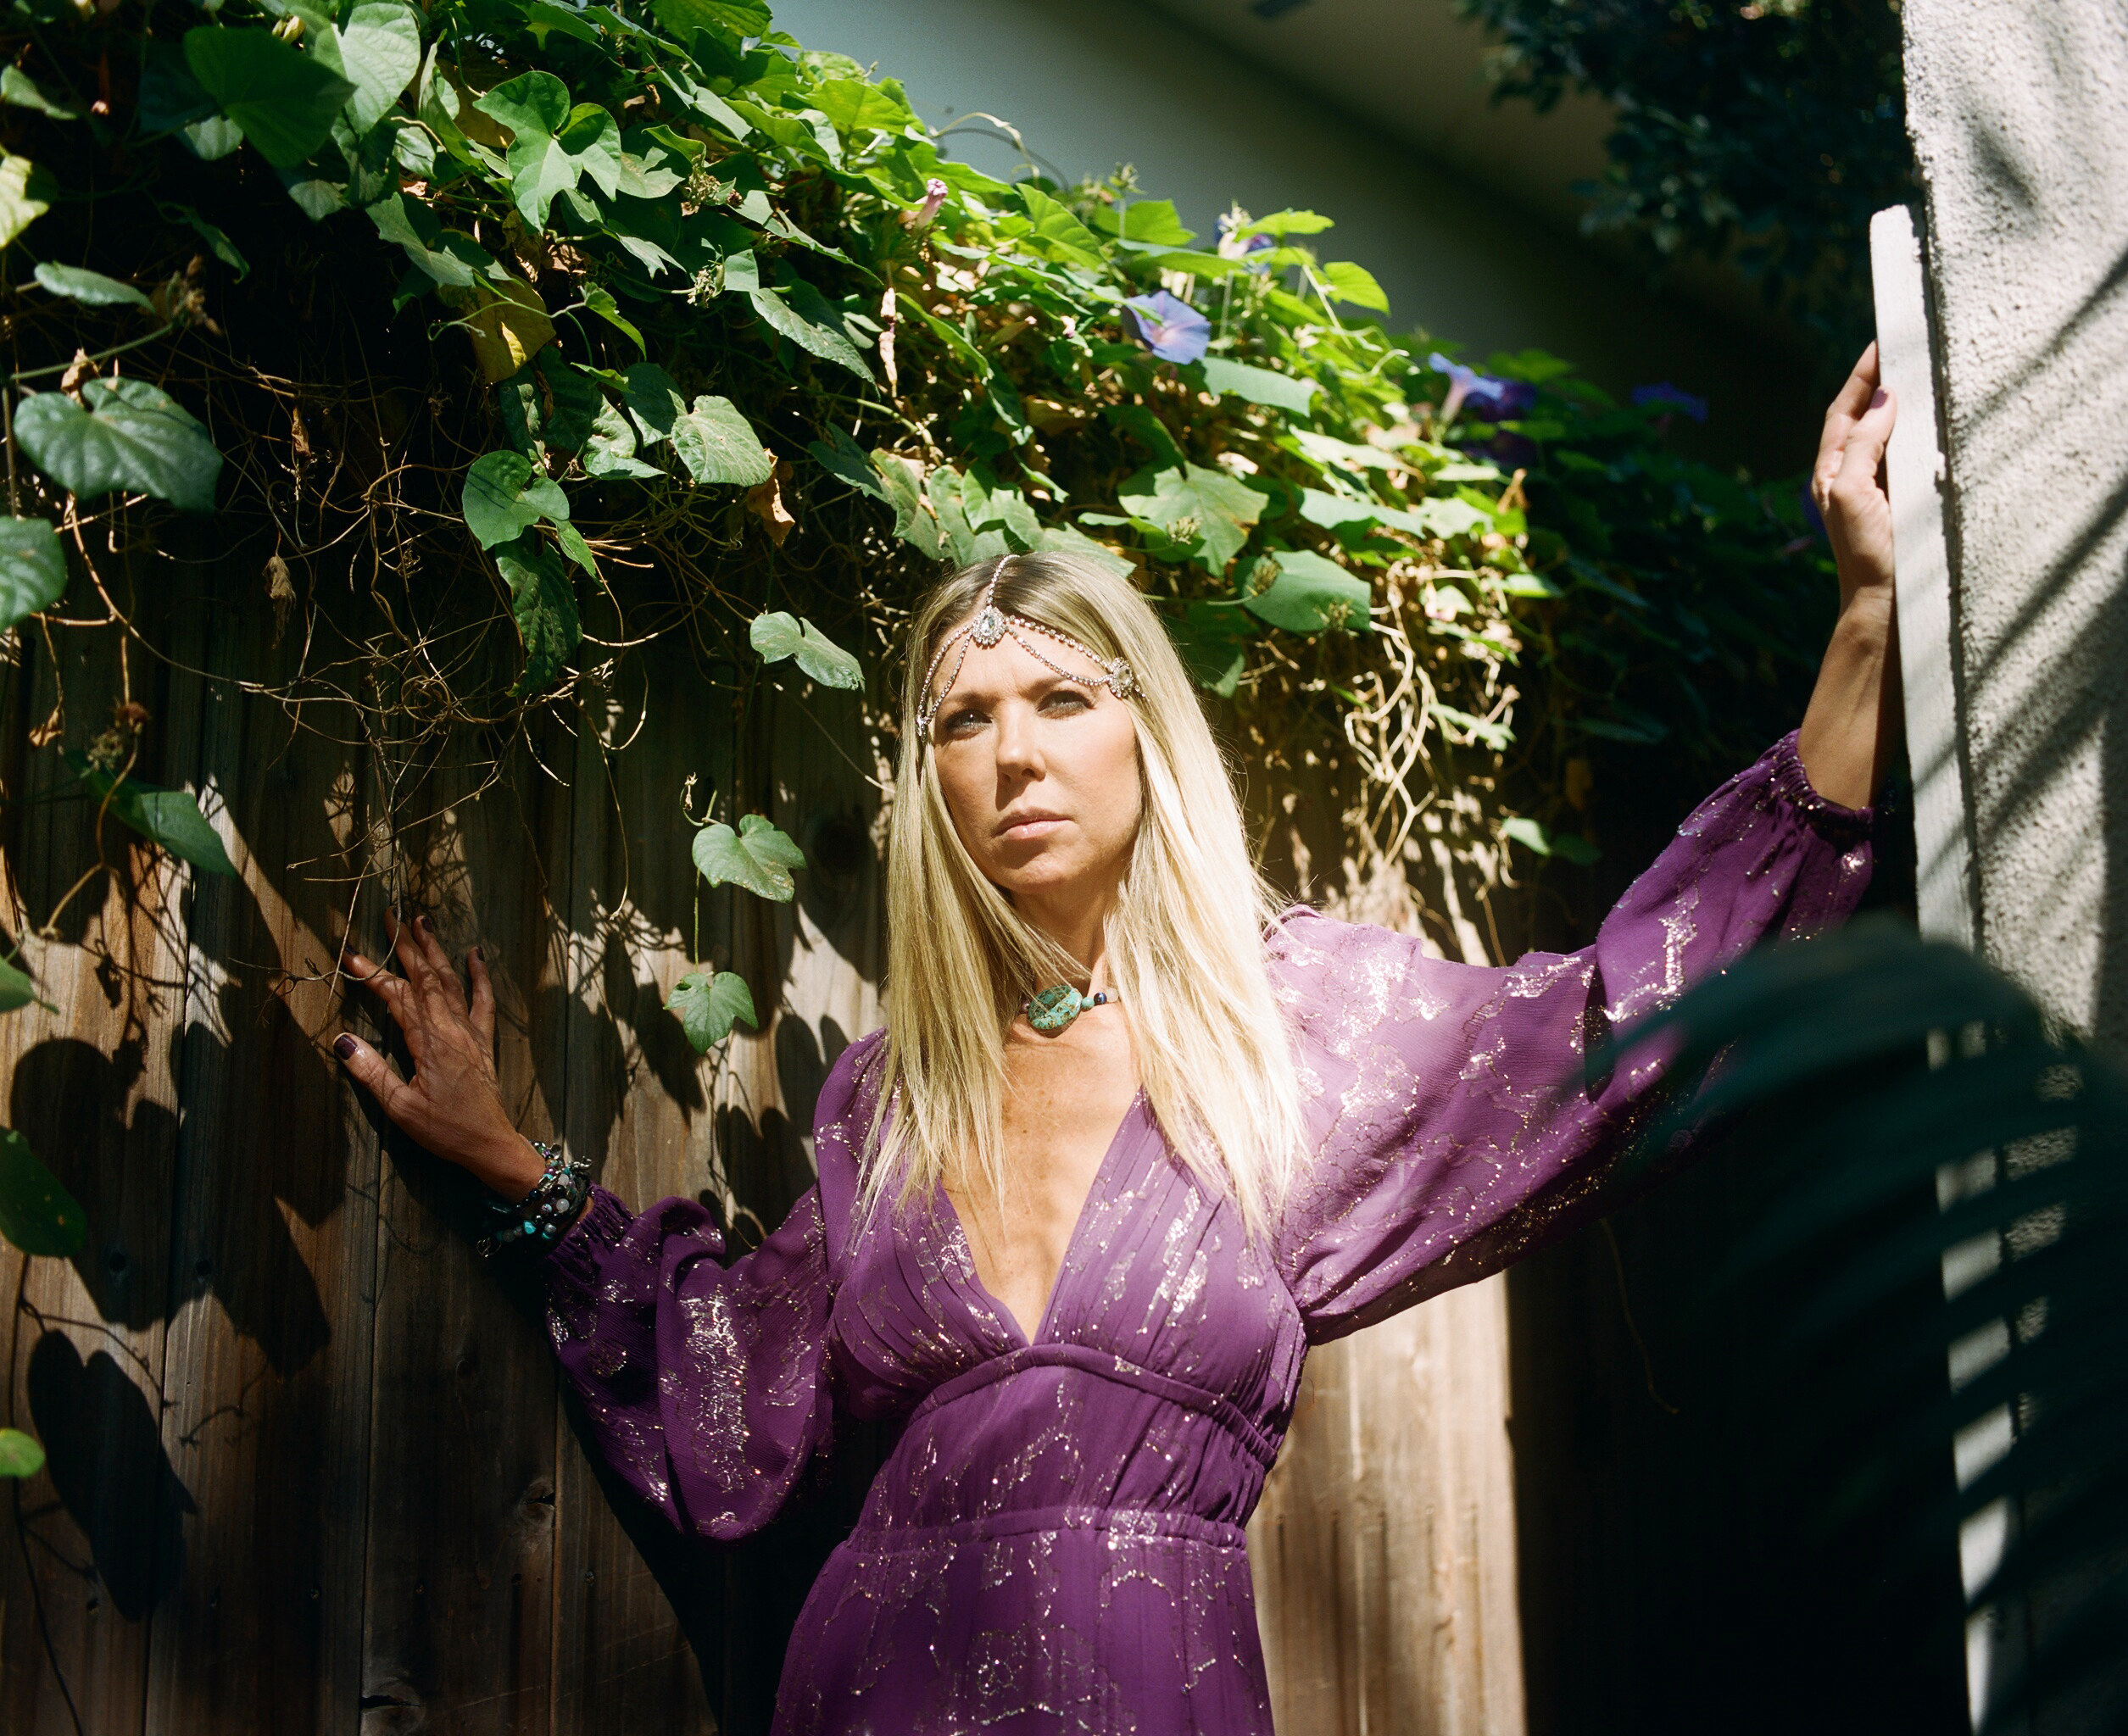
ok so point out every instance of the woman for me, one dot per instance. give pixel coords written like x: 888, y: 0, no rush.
x: 1131, y: 1140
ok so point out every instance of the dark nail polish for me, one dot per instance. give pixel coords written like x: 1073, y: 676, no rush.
x: 345, y: 1046
x: 1877, y: 399
x: 425, y: 925
x: 480, y: 952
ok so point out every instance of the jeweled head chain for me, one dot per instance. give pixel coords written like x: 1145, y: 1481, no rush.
x: 989, y: 623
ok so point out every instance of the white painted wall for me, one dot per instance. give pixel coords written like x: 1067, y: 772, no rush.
x: 2020, y: 115
x: 1093, y: 83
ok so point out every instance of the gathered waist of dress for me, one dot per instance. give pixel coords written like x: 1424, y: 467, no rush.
x: 1104, y: 1365
x: 1112, y: 1527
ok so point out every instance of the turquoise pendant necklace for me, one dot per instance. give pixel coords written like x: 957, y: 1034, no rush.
x: 1053, y: 1009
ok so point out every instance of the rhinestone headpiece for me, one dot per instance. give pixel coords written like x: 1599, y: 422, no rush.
x: 989, y: 623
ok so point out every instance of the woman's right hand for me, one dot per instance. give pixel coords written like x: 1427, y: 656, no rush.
x: 452, y: 1105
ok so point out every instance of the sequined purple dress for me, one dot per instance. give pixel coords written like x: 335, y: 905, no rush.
x: 1054, y: 1544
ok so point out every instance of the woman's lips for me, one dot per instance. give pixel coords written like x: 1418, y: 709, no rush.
x: 1030, y: 825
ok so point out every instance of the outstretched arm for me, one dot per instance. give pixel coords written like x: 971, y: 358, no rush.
x: 1852, y: 726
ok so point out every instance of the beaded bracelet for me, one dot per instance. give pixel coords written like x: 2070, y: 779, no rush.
x: 543, y: 1215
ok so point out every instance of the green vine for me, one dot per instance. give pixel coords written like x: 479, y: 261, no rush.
x: 507, y: 336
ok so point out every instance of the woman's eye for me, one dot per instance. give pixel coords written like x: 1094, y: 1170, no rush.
x: 962, y: 723
x: 1065, y: 699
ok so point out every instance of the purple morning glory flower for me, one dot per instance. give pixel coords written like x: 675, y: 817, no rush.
x: 1169, y: 326
x: 1489, y: 399
x: 1664, y: 392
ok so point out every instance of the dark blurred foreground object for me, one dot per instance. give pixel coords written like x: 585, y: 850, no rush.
x: 1772, y: 129
x: 1866, y: 1071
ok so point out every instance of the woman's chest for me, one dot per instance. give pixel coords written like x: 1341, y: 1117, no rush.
x: 1156, y: 1270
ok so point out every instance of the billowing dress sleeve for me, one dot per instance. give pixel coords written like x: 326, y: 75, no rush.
x: 1452, y: 1130
x: 707, y: 1386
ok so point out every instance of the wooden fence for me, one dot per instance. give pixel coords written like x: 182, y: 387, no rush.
x: 309, y: 1469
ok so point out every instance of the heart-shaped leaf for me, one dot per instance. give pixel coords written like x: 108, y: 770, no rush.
x: 36, y: 1212
x: 285, y: 100
x: 1205, y: 509
x: 171, y: 818
x: 32, y: 569
x: 504, y: 496
x: 779, y: 635
x: 1305, y: 592
x: 757, y: 856
x: 20, y: 1454
x: 78, y: 284
x: 543, y: 601
x: 381, y: 51
x: 707, y: 1002
x: 124, y: 434
x: 718, y: 444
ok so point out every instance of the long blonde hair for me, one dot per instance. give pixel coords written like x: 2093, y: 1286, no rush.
x: 1185, y: 941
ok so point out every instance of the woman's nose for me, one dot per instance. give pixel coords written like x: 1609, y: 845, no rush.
x: 1018, y: 752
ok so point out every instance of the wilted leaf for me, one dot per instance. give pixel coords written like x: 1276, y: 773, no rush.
x: 765, y: 500
x: 32, y: 569
x: 379, y: 51
x: 504, y: 495
x: 169, y: 818
x: 1305, y: 592
x: 25, y: 195
x: 125, y: 434
x: 285, y: 100
x: 510, y: 327
x: 779, y: 635
x: 79, y: 284
x: 543, y: 601
x: 757, y: 857
x: 20, y: 1454
x: 707, y: 1002
x: 36, y: 1212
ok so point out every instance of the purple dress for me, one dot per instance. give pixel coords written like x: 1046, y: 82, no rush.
x: 1055, y: 1542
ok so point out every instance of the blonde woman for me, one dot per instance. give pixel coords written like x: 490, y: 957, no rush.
x: 1132, y: 1140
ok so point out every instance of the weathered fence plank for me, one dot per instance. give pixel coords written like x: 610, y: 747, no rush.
x: 266, y: 1368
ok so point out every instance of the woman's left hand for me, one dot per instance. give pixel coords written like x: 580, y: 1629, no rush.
x: 1851, y: 727
x: 1848, y: 481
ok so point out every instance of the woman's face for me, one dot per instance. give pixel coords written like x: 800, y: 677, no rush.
x: 1040, y: 774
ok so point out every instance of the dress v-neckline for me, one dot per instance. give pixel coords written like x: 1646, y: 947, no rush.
x: 1003, y: 1314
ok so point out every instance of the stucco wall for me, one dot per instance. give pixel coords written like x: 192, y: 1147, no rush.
x: 2020, y: 115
